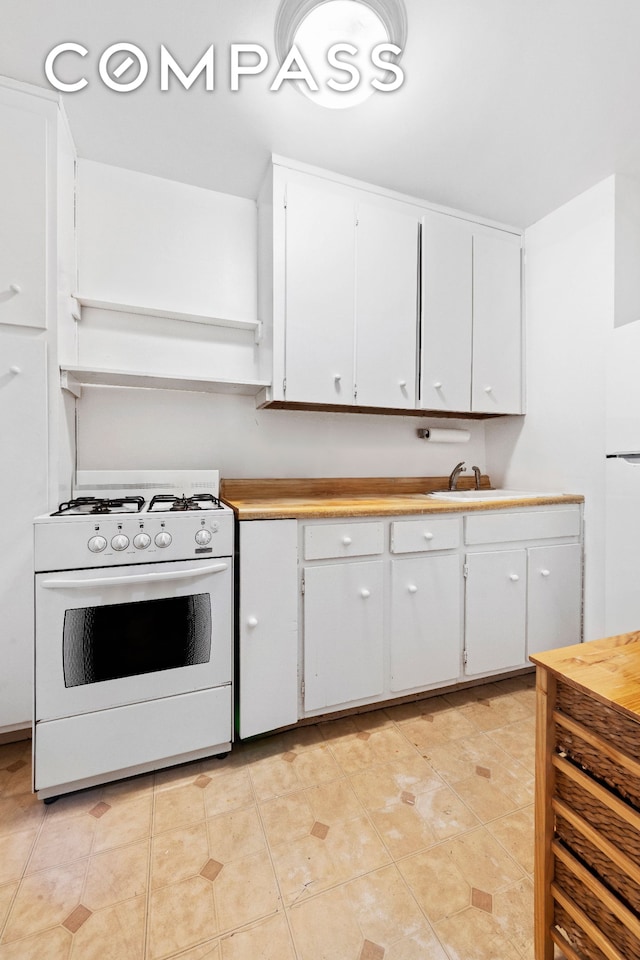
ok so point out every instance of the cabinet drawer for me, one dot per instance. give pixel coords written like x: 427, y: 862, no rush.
x: 428, y: 533
x: 532, y: 525
x: 343, y: 540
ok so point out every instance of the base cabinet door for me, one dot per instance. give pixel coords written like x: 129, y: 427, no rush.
x: 426, y: 621
x: 554, y: 616
x: 496, y: 610
x: 23, y: 485
x: 343, y: 633
x: 268, y: 625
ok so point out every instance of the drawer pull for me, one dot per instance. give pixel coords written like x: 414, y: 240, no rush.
x: 402, y: 384
x: 346, y: 541
x: 252, y: 621
x: 337, y: 377
x: 15, y: 288
x: 438, y: 385
x: 488, y: 389
x: 514, y: 576
x: 15, y: 369
x: 412, y: 588
x: 428, y: 535
x: 365, y: 593
x: 545, y: 573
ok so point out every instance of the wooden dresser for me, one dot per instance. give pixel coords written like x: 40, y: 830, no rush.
x: 587, y: 858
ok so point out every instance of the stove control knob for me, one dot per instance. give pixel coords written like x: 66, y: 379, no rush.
x: 203, y: 537
x: 141, y: 541
x: 120, y: 542
x: 97, y: 544
x: 163, y: 539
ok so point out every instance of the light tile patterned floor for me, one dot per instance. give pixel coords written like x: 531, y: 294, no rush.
x: 400, y: 834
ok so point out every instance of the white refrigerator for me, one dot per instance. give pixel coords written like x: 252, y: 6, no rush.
x: 622, y: 550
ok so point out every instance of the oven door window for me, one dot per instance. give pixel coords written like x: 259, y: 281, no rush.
x: 130, y: 639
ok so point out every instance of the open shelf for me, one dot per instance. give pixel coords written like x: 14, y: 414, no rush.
x: 237, y: 324
x: 73, y: 378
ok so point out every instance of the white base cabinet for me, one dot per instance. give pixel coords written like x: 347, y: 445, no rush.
x: 23, y: 489
x: 554, y: 591
x: 336, y: 614
x: 426, y: 622
x: 343, y: 634
x: 267, y: 625
x: 495, y: 611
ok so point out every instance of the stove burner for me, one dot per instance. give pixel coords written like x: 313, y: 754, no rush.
x: 100, y: 505
x: 201, y: 501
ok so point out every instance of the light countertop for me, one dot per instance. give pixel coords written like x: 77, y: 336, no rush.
x: 360, y: 497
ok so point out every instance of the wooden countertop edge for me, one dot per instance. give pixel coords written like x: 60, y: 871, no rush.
x: 390, y: 505
x: 607, y: 670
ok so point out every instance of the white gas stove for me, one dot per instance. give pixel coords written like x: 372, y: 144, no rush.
x: 133, y: 664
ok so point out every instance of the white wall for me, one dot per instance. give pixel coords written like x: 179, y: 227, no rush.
x: 154, y: 429
x: 560, y: 444
x: 154, y: 242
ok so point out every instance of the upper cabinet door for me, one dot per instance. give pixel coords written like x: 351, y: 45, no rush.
x: 447, y: 313
x: 320, y: 294
x: 497, y: 323
x: 23, y: 217
x: 386, y: 307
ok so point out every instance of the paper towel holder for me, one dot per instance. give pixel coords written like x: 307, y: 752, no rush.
x: 439, y: 435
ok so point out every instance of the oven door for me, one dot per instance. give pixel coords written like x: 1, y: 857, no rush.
x: 105, y: 638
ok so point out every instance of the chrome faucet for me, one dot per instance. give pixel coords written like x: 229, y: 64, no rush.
x: 455, y: 473
x: 477, y: 473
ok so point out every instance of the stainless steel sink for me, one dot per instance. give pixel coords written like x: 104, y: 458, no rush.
x: 480, y: 496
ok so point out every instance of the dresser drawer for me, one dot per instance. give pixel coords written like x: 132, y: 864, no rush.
x: 534, y: 524
x: 327, y: 541
x: 427, y: 533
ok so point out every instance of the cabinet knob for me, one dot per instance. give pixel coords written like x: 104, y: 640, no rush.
x: 252, y: 621
x: 488, y: 389
x: 365, y: 593
x: 346, y: 541
x: 14, y: 368
x: 545, y: 573
x: 412, y: 588
x: 513, y: 576
x: 428, y: 535
x: 438, y: 385
x: 15, y: 288
x: 402, y: 384
x: 337, y: 377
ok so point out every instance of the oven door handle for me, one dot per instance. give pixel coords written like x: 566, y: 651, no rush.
x: 134, y: 578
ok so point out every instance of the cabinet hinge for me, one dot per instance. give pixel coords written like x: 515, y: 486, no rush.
x: 355, y: 391
x: 465, y: 572
x: 465, y: 657
x: 302, y: 689
x: 357, y: 222
x: 284, y: 386
x: 302, y: 585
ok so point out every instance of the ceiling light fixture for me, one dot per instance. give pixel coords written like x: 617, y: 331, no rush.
x: 350, y: 73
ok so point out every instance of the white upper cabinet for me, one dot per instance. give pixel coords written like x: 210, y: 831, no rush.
x: 447, y: 312
x: 497, y: 326
x: 319, y: 294
x: 23, y: 212
x: 471, y: 317
x: 386, y: 307
x: 361, y: 290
